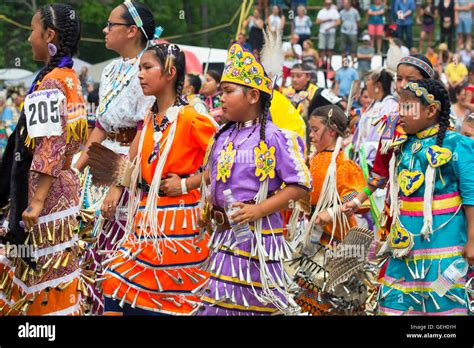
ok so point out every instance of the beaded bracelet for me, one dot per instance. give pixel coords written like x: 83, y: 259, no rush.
x: 367, y: 191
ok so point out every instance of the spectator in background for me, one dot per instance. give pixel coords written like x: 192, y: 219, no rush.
x: 192, y: 86
x: 404, y: 10
x: 276, y: 21
x: 344, y: 78
x: 242, y: 41
x: 297, y: 3
x: 263, y: 7
x: 427, y: 13
x: 18, y: 100
x: 86, y: 80
x: 470, y: 88
x: 376, y: 24
x: 254, y: 26
x: 292, y: 51
x: 456, y: 72
x: 301, y: 25
x: 431, y: 55
x: 328, y: 20
x: 310, y: 56
x: 463, y: 10
x: 466, y: 56
x: 468, y: 126
x: 365, y: 53
x: 349, y: 27
x: 447, y: 21
x: 211, y: 94
x: 459, y: 105
x: 444, y: 57
x: 6, y: 122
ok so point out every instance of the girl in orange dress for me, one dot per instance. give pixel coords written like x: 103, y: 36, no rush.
x: 336, y: 179
x: 155, y: 271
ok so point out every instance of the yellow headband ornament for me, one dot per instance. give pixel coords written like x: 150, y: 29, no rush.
x: 244, y: 69
x: 423, y: 93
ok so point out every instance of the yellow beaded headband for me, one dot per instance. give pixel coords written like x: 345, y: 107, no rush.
x: 423, y: 94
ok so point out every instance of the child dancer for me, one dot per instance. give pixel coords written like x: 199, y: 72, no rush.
x: 336, y: 179
x: 253, y: 158
x: 431, y: 194
x: 53, y: 125
x: 156, y: 269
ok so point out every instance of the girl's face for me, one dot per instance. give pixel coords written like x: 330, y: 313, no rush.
x: 467, y: 130
x: 306, y: 45
x: 406, y: 73
x: 365, y: 99
x: 275, y: 10
x: 39, y: 39
x: 235, y: 102
x: 461, y: 97
x: 321, y: 136
x: 152, y: 77
x: 299, y: 79
x: 209, y: 87
x: 117, y: 35
x: 414, y: 115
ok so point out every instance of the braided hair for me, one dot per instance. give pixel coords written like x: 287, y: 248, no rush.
x: 437, y: 89
x: 179, y: 62
x: 338, y: 121
x: 64, y: 20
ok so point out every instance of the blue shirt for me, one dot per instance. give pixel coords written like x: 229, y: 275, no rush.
x: 378, y: 19
x: 404, y: 6
x: 345, y: 77
x: 7, y: 114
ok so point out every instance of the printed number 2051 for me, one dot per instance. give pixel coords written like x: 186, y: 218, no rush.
x: 43, y: 109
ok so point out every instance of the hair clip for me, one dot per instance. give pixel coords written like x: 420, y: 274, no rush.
x: 330, y: 114
x: 169, y: 63
x: 135, y: 16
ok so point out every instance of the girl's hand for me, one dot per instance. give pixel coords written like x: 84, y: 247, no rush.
x: 349, y: 208
x: 323, y: 218
x: 171, y: 186
x: 247, y: 213
x: 109, y: 206
x: 468, y: 252
x: 31, y: 214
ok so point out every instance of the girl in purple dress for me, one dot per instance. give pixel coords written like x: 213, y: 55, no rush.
x: 264, y: 168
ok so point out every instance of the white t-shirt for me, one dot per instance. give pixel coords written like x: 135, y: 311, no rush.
x: 275, y: 22
x: 325, y: 14
x: 290, y: 62
x: 303, y: 25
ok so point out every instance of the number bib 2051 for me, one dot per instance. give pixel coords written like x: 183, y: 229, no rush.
x: 43, y: 113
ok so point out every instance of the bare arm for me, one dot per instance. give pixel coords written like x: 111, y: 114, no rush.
x: 32, y: 213
x: 468, y: 252
x: 97, y: 136
x: 252, y: 212
x: 134, y: 146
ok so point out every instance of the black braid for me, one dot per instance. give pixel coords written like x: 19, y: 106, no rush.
x: 65, y: 21
x: 437, y: 89
x: 264, y: 116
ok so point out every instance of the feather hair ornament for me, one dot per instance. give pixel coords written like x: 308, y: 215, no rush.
x: 272, y: 56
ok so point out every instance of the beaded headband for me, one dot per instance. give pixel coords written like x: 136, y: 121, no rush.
x: 423, y: 93
x: 136, y: 17
x: 418, y: 63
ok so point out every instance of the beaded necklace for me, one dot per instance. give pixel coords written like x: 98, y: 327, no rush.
x: 115, y: 83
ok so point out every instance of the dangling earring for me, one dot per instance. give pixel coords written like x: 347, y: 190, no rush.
x: 52, y: 49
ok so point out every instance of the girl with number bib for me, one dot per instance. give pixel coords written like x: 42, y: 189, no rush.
x: 44, y: 190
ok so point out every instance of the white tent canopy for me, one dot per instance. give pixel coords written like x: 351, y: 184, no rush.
x: 14, y: 74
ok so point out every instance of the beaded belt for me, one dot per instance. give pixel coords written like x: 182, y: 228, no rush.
x: 146, y: 187
x: 124, y: 136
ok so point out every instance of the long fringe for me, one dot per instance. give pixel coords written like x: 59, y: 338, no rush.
x: 78, y: 130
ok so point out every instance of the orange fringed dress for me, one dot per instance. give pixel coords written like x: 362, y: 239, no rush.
x: 166, y: 283
x: 55, y: 283
x: 350, y: 181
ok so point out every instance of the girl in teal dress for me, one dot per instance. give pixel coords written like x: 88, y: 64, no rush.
x: 432, y: 199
